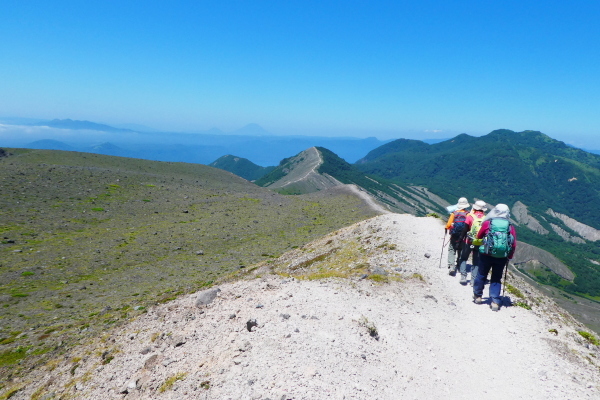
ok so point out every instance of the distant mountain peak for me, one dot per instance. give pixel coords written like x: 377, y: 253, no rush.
x: 49, y: 144
x: 107, y: 146
x: 76, y: 124
x: 241, y: 167
x: 252, y: 129
x: 299, y: 174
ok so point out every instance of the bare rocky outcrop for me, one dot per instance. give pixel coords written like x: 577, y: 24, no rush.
x: 566, y: 235
x: 362, y: 313
x: 526, y: 253
x: 521, y: 214
x: 585, y: 231
x: 431, y: 196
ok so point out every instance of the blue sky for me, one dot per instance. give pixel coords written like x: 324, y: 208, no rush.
x: 421, y: 69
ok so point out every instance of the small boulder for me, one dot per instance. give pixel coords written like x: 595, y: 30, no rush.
x: 246, y: 346
x: 151, y: 362
x: 379, y: 271
x: 167, y: 362
x: 177, y: 341
x: 206, y: 296
x: 251, y: 323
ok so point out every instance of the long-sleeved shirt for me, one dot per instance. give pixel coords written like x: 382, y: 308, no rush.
x: 485, y: 228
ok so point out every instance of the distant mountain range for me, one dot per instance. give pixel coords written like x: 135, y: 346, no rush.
x: 251, y: 141
x: 503, y: 166
x: 71, y: 124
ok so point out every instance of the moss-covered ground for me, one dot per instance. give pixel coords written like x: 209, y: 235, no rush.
x: 88, y: 241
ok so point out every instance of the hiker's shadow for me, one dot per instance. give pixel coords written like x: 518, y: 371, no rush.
x: 506, y: 301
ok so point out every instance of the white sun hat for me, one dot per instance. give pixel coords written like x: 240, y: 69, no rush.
x: 480, y: 205
x: 462, y: 203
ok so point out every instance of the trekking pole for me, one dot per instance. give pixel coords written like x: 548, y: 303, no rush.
x: 505, y: 273
x: 443, y: 245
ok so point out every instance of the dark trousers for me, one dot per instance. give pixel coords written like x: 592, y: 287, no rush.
x: 497, y: 266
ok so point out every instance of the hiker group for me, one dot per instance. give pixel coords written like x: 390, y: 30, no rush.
x: 490, y: 239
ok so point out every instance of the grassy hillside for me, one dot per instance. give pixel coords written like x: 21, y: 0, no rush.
x: 88, y: 240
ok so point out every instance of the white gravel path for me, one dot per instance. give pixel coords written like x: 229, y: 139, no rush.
x: 312, y: 340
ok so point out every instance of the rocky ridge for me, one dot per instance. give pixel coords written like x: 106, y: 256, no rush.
x: 364, y: 312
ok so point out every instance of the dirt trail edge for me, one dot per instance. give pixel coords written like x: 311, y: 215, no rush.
x: 402, y: 329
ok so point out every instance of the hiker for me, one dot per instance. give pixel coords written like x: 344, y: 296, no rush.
x: 499, y: 244
x: 455, y: 226
x: 471, y: 243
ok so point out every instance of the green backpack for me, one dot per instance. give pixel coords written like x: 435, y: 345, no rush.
x: 498, y: 241
x: 475, y: 227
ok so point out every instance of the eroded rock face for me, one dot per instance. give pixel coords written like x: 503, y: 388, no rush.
x: 565, y: 235
x: 586, y: 231
x: 521, y: 214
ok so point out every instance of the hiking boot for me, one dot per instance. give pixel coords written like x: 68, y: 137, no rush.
x: 463, y: 279
x: 452, y: 271
x: 495, y: 306
x: 477, y: 299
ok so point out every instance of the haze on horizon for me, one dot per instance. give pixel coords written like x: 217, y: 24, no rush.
x: 430, y: 69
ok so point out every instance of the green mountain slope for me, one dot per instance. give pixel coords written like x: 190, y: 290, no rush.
x: 241, y: 167
x: 503, y: 166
